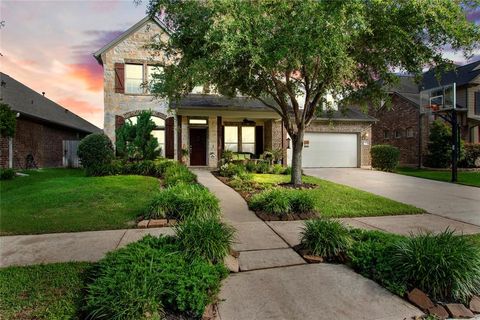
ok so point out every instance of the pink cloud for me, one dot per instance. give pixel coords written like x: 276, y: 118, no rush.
x: 78, y: 106
x: 89, y: 73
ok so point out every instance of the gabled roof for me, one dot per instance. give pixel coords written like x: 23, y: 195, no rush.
x: 132, y: 29
x: 461, y: 75
x: 346, y: 114
x: 27, y: 102
x: 407, y: 88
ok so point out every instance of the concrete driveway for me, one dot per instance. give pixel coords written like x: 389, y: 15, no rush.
x: 449, y: 200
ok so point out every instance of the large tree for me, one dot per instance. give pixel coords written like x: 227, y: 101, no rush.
x: 292, y: 55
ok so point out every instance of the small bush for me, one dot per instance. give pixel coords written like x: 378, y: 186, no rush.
x: 106, y: 169
x: 274, y: 201
x: 288, y: 171
x: 178, y: 173
x: 95, y: 150
x: 326, y: 238
x: 370, y: 255
x: 263, y: 166
x: 183, y: 201
x: 231, y: 170
x: 445, y: 266
x: 208, y: 238
x: 301, y: 201
x: 385, y: 157
x: 471, y: 158
x: 278, y: 169
x: 145, y: 278
x: 251, y: 166
x: 7, y: 174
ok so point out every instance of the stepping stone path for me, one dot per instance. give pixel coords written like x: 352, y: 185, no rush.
x: 275, y: 282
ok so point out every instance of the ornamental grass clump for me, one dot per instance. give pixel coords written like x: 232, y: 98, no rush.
x: 178, y: 173
x: 302, y: 201
x: 274, y: 201
x: 326, y: 238
x: 149, y: 278
x: 445, y: 266
x: 182, y: 201
x: 207, y: 238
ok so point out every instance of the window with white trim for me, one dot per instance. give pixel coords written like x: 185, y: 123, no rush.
x: 231, y: 138
x: 248, y: 139
x: 133, y: 78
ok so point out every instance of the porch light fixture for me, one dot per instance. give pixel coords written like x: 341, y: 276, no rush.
x: 248, y: 122
x: 288, y: 142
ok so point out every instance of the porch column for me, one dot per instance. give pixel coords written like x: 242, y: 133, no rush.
x: 213, y: 141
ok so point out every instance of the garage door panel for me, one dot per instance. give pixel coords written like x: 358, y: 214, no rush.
x: 330, y: 150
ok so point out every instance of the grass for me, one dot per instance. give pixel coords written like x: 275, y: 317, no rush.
x: 52, y: 291
x: 335, y: 200
x: 64, y: 200
x: 470, y: 178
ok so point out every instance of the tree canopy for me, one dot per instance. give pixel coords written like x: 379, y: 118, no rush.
x: 8, y: 121
x: 293, y: 54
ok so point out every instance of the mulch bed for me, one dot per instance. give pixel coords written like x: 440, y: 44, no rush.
x: 287, y: 217
x: 302, y: 186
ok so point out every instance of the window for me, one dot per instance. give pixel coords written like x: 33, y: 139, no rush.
x: 197, y: 121
x: 386, y: 134
x: 477, y: 103
x: 398, y: 134
x: 231, y: 138
x: 409, y: 132
x: 133, y: 78
x: 248, y: 139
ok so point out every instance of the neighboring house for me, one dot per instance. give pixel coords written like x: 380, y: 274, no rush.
x: 43, y: 129
x: 203, y: 124
x: 405, y: 125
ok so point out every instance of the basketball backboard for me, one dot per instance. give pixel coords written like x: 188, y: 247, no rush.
x: 439, y: 99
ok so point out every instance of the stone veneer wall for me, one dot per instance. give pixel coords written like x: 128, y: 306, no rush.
x: 363, y: 129
x: 129, y: 50
x: 212, y: 140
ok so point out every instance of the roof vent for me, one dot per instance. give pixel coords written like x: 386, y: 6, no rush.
x: 3, y: 84
x: 43, y: 93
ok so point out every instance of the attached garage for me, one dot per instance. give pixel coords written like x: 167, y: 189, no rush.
x: 342, y: 141
x: 330, y: 150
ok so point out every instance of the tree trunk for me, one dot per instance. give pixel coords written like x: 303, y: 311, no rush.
x: 297, y: 146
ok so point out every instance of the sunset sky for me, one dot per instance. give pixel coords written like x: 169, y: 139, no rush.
x: 48, y: 46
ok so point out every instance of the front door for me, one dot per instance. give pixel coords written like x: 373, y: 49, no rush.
x: 198, y: 146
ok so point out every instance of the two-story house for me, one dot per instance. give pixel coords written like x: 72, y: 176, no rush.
x: 203, y: 124
x: 405, y: 125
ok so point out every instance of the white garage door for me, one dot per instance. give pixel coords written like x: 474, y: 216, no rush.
x: 329, y: 150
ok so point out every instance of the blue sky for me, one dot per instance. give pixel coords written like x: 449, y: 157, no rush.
x: 48, y: 46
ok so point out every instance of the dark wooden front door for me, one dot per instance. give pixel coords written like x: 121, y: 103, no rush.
x: 198, y: 146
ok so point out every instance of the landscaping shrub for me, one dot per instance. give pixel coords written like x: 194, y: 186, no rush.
x: 208, y: 238
x: 7, y: 174
x: 325, y: 238
x: 277, y: 169
x: 445, y: 266
x: 471, y: 158
x: 301, y: 201
x: 263, y: 166
x: 370, y: 255
x: 251, y: 166
x: 183, y: 201
x: 231, y: 170
x: 385, y: 157
x: 439, y: 146
x: 288, y: 171
x: 95, y: 151
x: 274, y: 201
x: 177, y: 173
x: 145, y: 278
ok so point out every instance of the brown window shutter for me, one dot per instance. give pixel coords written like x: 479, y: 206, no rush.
x: 119, y: 78
x: 169, y: 138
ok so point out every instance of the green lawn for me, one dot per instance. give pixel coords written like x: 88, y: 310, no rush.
x: 64, y: 200
x: 336, y: 200
x: 470, y: 178
x: 52, y: 291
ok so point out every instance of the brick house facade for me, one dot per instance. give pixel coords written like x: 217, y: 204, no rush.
x: 41, y: 127
x: 200, y: 126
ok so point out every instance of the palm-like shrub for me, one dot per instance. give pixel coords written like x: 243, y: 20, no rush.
x: 274, y: 201
x: 445, y: 266
x: 183, y: 201
x: 325, y: 238
x: 208, y: 238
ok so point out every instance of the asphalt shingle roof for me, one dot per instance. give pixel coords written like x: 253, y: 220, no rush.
x: 24, y: 100
x: 461, y: 75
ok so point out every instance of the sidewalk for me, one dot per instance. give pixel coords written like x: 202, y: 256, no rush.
x: 64, y: 247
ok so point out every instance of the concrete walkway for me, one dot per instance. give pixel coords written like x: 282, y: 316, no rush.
x: 454, y: 201
x: 65, y: 247
x: 276, y: 283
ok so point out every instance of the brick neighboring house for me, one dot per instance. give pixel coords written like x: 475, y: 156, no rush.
x: 42, y: 127
x: 406, y: 126
x: 204, y: 123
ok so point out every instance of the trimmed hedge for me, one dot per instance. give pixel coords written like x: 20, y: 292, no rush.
x: 95, y: 152
x: 385, y: 157
x: 7, y: 174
